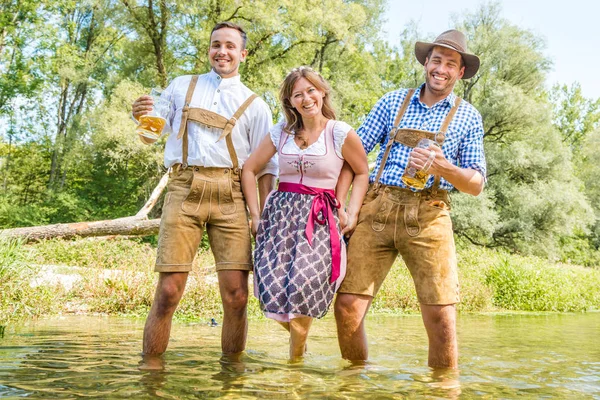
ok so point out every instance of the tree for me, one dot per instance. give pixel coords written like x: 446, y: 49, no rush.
x: 18, y: 23
x: 537, y: 196
x: 78, y: 59
x: 574, y: 115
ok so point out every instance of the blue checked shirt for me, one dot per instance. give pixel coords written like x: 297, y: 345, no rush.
x: 464, y: 139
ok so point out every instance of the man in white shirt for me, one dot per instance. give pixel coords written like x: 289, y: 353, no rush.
x: 216, y: 123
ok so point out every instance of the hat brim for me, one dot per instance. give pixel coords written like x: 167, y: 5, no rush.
x: 471, y: 61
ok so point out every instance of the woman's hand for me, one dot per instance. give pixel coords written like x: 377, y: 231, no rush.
x: 348, y: 227
x: 343, y: 218
x: 254, y: 222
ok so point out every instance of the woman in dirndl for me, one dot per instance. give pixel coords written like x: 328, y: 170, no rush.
x: 300, y: 255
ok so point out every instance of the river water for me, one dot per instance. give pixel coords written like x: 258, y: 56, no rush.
x: 501, y: 356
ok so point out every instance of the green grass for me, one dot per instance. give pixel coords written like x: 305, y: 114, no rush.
x: 94, y: 253
x: 530, y: 284
x: 19, y: 296
x: 116, y: 277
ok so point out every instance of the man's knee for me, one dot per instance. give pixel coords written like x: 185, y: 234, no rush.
x: 234, y: 299
x: 167, y: 297
x: 440, y: 321
x: 350, y: 309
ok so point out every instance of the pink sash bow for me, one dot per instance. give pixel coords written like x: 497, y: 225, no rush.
x: 324, y: 201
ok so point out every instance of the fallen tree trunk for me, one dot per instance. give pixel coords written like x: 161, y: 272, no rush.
x: 132, y: 226
x: 138, y: 225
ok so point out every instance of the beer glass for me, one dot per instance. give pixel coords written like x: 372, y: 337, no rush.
x: 151, y: 125
x: 417, y: 179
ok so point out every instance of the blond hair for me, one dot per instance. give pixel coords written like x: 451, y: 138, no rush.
x: 293, y: 119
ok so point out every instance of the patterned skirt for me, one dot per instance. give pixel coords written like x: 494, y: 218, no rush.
x: 291, y: 277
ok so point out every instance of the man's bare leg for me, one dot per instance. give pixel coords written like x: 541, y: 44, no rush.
x: 157, y: 330
x: 350, y: 311
x: 233, y: 286
x: 440, y: 324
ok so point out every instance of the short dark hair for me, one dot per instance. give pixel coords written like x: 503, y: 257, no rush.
x: 231, y: 25
x: 462, y: 60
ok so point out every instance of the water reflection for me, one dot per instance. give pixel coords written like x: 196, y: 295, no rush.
x: 504, y: 356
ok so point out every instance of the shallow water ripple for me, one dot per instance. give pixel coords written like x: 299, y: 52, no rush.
x: 502, y: 356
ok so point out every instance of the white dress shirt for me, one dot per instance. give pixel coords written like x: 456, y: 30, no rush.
x: 222, y: 96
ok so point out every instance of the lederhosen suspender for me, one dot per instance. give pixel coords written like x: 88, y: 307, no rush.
x: 212, y: 119
x: 411, y: 137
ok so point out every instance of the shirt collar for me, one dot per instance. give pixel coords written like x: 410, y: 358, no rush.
x: 450, y: 99
x: 223, y: 82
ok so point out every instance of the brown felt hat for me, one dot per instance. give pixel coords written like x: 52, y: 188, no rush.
x: 453, y: 40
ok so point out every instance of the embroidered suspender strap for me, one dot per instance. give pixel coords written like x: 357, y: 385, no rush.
x: 229, y: 127
x: 240, y: 111
x: 411, y: 137
x: 214, y: 120
x: 184, y: 117
x: 209, y: 118
x: 450, y: 115
x: 393, y: 133
x: 442, y: 133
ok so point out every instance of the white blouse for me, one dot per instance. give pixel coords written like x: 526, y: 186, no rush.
x: 340, y: 132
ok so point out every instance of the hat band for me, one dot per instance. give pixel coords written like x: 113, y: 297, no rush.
x: 450, y: 43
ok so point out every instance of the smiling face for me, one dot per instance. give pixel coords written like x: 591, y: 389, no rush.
x: 226, y: 52
x: 442, y: 70
x: 307, y: 99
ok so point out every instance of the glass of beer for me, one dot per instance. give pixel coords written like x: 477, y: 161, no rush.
x: 417, y: 179
x: 151, y: 125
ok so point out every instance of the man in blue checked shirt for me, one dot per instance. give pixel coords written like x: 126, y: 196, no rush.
x: 415, y: 223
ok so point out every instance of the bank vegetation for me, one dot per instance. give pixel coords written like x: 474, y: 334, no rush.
x: 115, y: 277
x: 70, y: 70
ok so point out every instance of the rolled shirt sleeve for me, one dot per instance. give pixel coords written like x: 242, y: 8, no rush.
x: 471, y: 153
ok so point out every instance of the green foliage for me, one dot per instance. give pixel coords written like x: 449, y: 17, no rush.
x: 580, y: 250
x: 530, y: 284
x: 534, y: 195
x: 116, y: 277
x: 20, y: 297
x: 17, y: 19
x: 494, y: 280
x: 11, y: 263
x: 69, y: 72
x: 474, y: 218
x: 12, y: 214
x: 95, y: 253
x: 574, y: 115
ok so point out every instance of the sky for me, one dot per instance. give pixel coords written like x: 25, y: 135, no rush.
x: 571, y: 30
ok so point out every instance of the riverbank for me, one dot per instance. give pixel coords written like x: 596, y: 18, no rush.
x: 115, y: 277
